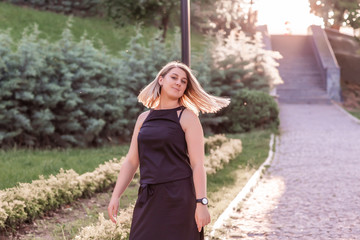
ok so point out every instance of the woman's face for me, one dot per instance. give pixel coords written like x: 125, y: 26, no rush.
x: 174, y: 83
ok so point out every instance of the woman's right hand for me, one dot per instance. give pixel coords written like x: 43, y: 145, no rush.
x: 113, y: 209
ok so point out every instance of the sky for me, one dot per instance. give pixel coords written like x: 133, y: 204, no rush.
x: 286, y: 16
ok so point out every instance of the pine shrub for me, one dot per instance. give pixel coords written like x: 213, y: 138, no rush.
x: 250, y: 109
x: 69, y: 93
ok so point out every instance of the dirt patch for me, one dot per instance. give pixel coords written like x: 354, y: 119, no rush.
x: 351, y: 94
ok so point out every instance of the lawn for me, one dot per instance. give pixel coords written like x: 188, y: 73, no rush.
x: 24, y: 165
x: 355, y: 113
x: 52, y: 24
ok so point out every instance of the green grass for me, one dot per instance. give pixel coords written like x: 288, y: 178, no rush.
x: 24, y: 165
x: 255, y: 150
x: 228, y: 182
x: 355, y: 113
x: 52, y: 24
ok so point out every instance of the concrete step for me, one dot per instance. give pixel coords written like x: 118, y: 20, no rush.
x: 290, y: 45
x: 313, y: 92
x: 299, y: 70
x: 307, y: 100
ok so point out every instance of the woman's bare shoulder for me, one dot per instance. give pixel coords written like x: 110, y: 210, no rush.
x: 189, y: 115
x: 143, y: 115
x: 189, y: 119
x: 141, y: 118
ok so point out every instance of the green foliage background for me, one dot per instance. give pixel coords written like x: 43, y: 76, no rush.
x: 74, y: 91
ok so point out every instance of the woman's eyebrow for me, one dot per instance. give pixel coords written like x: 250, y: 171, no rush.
x: 178, y: 76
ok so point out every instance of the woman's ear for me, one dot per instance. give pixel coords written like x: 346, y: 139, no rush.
x: 161, y: 80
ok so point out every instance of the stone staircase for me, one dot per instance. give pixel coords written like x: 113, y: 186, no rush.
x: 299, y: 71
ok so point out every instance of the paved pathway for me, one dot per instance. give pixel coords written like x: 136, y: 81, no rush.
x: 312, y: 189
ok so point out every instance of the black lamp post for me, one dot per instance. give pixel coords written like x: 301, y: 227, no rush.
x: 185, y: 31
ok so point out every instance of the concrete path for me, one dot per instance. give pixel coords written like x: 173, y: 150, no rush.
x: 312, y: 189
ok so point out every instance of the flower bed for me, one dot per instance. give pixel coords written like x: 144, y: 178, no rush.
x: 221, y: 155
x: 103, y: 229
x: 30, y: 200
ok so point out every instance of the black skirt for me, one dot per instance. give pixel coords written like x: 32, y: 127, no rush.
x: 165, y: 211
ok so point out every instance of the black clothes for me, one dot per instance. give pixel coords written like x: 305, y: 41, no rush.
x: 165, y: 208
x: 162, y: 148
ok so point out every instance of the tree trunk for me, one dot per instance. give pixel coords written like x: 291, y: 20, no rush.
x: 165, y: 22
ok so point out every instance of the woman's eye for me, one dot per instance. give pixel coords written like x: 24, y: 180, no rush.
x: 173, y: 78
x: 183, y: 81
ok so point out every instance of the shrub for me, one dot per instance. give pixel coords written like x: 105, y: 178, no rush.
x: 106, y: 229
x: 236, y: 62
x: 250, y: 109
x: 30, y: 200
x: 77, y: 7
x: 69, y: 93
x: 214, y: 141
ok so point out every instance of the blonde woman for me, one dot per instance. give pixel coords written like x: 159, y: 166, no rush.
x: 168, y: 145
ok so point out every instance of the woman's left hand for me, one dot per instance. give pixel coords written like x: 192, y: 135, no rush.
x: 202, y: 216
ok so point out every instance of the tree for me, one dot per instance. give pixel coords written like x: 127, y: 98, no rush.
x: 156, y: 11
x: 337, y: 12
x: 226, y: 15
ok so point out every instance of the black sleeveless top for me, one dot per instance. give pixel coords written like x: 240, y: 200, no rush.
x: 162, y: 148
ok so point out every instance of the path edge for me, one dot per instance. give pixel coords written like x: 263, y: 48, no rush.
x: 338, y: 106
x: 246, y: 189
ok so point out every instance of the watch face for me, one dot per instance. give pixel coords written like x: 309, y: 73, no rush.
x: 204, y: 201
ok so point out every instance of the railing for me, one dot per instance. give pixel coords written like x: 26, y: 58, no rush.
x: 327, y: 61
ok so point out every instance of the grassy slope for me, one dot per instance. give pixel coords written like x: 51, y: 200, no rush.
x: 24, y: 165
x: 51, y: 25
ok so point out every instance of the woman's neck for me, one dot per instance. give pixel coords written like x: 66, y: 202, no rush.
x: 166, y: 103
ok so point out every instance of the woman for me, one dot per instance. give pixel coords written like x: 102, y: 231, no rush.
x: 168, y: 145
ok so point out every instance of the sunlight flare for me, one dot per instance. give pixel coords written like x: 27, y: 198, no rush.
x: 286, y: 17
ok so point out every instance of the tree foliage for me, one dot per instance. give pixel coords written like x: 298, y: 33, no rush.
x: 70, y: 93
x: 157, y: 12
x: 337, y: 12
x: 225, y: 15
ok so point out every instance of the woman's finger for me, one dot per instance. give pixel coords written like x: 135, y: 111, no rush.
x: 198, y: 224
x: 111, y: 214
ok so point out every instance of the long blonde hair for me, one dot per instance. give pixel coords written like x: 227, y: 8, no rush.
x: 195, y: 98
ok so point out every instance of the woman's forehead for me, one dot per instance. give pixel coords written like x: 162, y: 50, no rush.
x: 178, y: 71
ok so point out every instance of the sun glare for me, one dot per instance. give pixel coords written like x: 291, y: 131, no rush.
x: 286, y: 16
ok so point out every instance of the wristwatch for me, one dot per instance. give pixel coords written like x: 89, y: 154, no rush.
x: 203, y: 201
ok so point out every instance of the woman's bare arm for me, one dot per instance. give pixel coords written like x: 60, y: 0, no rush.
x: 127, y: 170
x: 195, y: 142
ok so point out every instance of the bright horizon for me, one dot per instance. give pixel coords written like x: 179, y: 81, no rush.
x: 275, y: 14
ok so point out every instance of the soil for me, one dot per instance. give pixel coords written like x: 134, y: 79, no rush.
x: 351, y: 94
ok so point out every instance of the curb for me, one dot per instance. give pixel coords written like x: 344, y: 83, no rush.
x: 245, y: 190
x: 337, y: 105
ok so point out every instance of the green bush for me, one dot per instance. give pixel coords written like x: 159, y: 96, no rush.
x: 69, y: 93
x: 250, y: 109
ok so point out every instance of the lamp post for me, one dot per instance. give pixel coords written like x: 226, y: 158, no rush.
x: 185, y: 31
